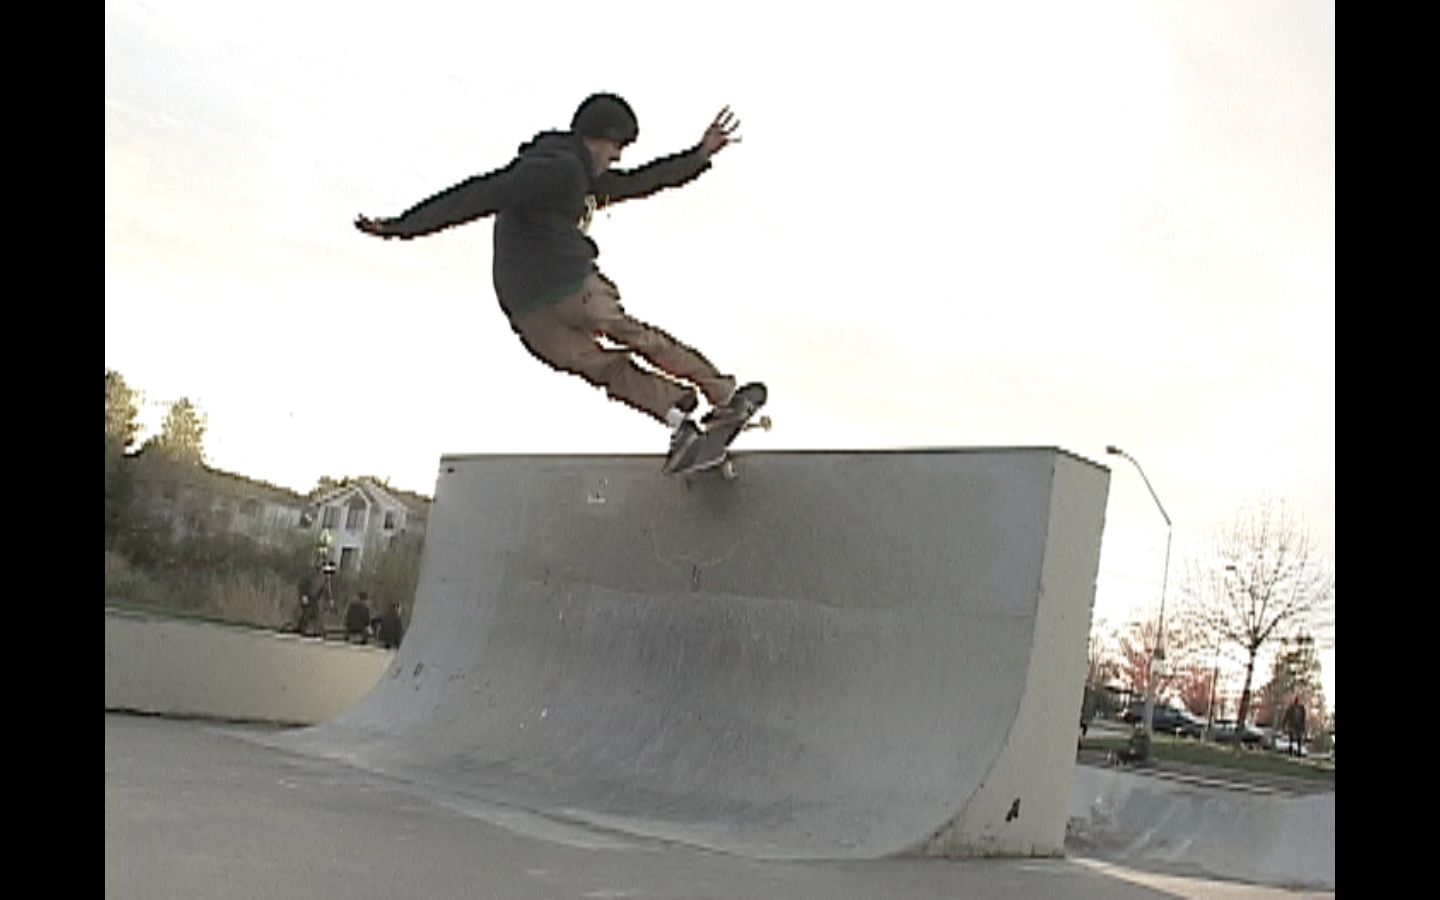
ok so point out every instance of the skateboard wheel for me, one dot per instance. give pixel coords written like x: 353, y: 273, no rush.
x: 728, y: 470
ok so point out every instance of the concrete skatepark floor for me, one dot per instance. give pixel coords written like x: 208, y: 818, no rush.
x: 195, y: 809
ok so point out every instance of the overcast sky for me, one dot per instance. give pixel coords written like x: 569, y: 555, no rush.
x: 961, y: 225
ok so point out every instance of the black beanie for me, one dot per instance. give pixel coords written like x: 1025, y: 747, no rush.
x: 605, y: 116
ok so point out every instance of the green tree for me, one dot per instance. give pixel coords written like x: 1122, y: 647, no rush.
x: 391, y: 571
x: 182, y: 435
x: 122, y: 411
x: 325, y: 485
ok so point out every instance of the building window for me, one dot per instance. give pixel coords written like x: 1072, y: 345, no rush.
x: 390, y: 520
x: 355, y: 521
x: 349, y: 559
x: 331, y: 517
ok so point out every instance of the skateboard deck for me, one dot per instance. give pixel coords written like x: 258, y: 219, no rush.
x: 712, y: 449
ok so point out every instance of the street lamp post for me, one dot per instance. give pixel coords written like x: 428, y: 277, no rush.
x: 1158, y: 653
x: 1215, y: 676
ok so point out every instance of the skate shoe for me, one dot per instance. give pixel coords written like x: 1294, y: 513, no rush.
x: 737, y: 407
x: 682, y: 441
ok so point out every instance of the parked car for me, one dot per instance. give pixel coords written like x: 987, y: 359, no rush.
x: 1279, y: 741
x: 1167, y: 720
x: 1226, y: 732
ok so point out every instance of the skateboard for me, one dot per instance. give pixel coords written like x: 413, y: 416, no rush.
x: 712, y: 449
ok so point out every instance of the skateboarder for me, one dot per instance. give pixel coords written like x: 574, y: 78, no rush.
x: 545, y: 275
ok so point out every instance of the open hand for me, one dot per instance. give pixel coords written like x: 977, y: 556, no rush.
x: 377, y: 227
x: 721, y: 132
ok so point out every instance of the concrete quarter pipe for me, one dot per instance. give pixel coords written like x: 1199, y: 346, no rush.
x: 845, y: 654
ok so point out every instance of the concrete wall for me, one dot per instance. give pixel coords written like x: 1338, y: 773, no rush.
x: 176, y: 667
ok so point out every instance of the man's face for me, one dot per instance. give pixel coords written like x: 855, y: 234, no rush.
x: 604, y: 152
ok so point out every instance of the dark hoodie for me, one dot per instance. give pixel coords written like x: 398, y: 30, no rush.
x: 542, y: 202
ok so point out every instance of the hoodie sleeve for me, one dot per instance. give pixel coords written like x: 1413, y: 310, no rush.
x: 666, y: 172
x: 528, y: 181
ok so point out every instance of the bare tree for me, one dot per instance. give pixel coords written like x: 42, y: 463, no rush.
x: 1266, y: 582
x: 1101, y: 666
x: 1135, y: 645
x: 1195, y: 686
x: 1294, y: 674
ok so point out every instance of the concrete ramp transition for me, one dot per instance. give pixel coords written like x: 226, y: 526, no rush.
x: 846, y: 654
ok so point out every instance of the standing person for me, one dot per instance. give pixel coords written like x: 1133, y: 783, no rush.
x: 314, y: 592
x: 556, y: 299
x: 389, y: 627
x: 1294, y: 724
x: 357, y: 619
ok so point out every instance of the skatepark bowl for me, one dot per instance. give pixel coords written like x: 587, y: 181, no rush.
x: 840, y: 655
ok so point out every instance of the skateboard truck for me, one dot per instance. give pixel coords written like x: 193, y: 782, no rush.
x: 727, y: 468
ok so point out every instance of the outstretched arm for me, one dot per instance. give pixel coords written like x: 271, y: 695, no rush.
x: 466, y: 201
x: 527, y: 182
x: 613, y: 186
x: 455, y: 206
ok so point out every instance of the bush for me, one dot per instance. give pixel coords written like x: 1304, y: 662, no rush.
x: 226, y: 576
x: 250, y: 598
x: 126, y: 584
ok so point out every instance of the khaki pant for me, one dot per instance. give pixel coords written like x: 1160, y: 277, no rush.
x: 566, y: 336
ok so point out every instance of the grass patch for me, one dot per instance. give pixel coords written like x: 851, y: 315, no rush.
x: 1183, y: 751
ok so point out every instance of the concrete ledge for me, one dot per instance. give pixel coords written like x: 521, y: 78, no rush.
x: 175, y: 667
x: 1139, y: 820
